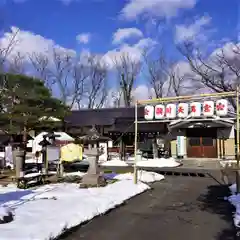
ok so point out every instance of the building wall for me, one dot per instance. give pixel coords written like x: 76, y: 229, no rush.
x: 225, y: 135
x: 174, y: 142
x: 226, y: 143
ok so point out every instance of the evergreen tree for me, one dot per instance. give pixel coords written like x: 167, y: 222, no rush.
x: 24, y: 101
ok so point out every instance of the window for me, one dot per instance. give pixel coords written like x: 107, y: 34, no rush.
x: 207, y: 141
x: 194, y: 141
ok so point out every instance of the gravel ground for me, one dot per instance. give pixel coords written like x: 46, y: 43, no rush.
x: 189, y: 208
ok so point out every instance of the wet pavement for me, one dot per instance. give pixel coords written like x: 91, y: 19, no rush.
x: 189, y: 208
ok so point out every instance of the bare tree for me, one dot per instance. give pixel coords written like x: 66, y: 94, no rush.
x: 62, y: 74
x: 218, y: 72
x: 96, y: 83
x: 16, y: 65
x: 127, y: 69
x: 166, y: 77
x: 157, y: 73
x: 79, y: 83
x: 5, y: 50
x: 40, y: 64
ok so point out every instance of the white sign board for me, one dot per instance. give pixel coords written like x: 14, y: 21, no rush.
x: 149, y: 112
x: 9, y: 156
x: 53, y: 153
x: 181, y: 146
x: 182, y: 110
x: 159, y: 111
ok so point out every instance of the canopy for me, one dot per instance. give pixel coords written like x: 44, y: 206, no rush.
x: 93, y: 136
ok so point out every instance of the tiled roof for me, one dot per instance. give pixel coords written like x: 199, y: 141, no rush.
x: 101, y: 117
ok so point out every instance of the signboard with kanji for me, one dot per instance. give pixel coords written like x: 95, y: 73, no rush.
x: 182, y: 110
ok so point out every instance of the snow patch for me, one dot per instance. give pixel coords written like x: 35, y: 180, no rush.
x: 79, y: 174
x: 5, y: 212
x: 115, y: 162
x: 70, y: 205
x: 159, y: 163
x: 143, y: 176
x: 234, y: 199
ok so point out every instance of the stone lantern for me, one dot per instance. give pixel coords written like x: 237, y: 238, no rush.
x: 45, y: 144
x: 93, y: 176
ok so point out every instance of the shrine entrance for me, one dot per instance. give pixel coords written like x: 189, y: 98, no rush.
x: 202, y: 143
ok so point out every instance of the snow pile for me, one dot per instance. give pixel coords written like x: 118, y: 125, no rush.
x: 115, y: 163
x: 63, y: 206
x: 159, y: 163
x: 132, y: 159
x: 79, y: 174
x: 233, y: 188
x: 226, y: 163
x: 143, y: 176
x: 6, y: 215
x: 234, y: 199
x: 9, y: 188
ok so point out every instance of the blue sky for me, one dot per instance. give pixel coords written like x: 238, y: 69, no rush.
x: 62, y: 22
x: 110, y: 27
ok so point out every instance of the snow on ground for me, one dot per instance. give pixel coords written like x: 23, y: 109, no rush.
x: 229, y: 163
x: 154, y: 163
x: 131, y: 159
x: 9, y: 188
x: 62, y: 206
x: 79, y: 174
x: 144, y: 176
x: 115, y: 162
x: 234, y: 199
x: 159, y: 163
x: 5, y: 212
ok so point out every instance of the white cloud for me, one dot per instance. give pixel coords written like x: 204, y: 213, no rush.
x: 134, y: 51
x: 192, y: 31
x: 26, y: 42
x: 160, y: 8
x: 83, y: 38
x: 124, y: 33
x: 229, y: 50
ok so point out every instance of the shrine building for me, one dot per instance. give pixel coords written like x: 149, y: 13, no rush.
x: 187, y: 130
x: 198, y: 129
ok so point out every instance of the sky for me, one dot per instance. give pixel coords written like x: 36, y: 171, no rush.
x: 110, y: 27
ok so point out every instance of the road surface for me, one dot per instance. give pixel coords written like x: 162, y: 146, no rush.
x: 185, y: 208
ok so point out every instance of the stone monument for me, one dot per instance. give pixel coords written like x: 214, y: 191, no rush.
x: 93, y: 176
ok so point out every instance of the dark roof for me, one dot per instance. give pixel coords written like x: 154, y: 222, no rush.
x: 103, y: 116
x: 5, y: 138
x: 93, y: 136
x: 143, y: 127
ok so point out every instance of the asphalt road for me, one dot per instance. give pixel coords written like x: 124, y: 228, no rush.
x: 188, y: 208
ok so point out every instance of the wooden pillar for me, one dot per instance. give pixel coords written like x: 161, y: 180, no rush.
x: 220, y: 148
x: 224, y: 149
x: 121, y: 149
x: 154, y: 147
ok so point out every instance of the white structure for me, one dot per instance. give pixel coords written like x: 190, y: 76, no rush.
x: 208, y: 108
x: 221, y: 107
x: 149, y: 112
x: 104, y: 156
x: 182, y: 110
x: 195, y: 109
x: 159, y: 111
x: 171, y: 111
x: 64, y: 137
